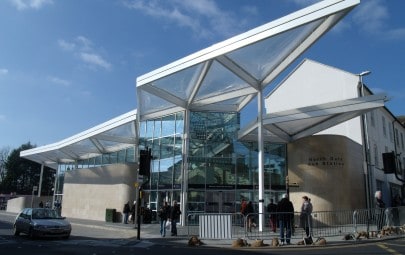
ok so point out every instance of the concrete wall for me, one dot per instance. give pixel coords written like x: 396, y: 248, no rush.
x: 328, y: 169
x: 15, y: 205
x: 87, y: 193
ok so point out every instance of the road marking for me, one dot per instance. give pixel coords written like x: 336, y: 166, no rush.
x: 385, y: 247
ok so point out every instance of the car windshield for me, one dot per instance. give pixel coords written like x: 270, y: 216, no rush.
x: 43, y: 213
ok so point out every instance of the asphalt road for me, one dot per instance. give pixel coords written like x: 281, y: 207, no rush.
x: 96, y: 241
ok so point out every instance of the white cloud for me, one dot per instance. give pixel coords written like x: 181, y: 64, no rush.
x: 192, y: 15
x: 84, y: 49
x: 373, y: 17
x: 3, y: 71
x: 66, y: 45
x: 30, y: 4
x: 95, y: 60
x: 59, y: 81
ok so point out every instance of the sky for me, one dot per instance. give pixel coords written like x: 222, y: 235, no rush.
x: 69, y: 65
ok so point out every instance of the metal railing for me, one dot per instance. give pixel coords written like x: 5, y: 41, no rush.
x: 320, y: 223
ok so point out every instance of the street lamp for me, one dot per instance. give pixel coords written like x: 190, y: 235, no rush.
x: 366, y: 147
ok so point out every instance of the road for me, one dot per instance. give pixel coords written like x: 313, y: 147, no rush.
x: 98, y: 241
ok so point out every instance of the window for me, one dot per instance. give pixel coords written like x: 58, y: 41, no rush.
x: 372, y: 119
x: 391, y: 134
x: 396, y: 136
x: 376, y: 162
x: 384, y: 126
x: 402, y: 140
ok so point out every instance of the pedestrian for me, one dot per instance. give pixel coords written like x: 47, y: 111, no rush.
x: 305, y: 216
x: 174, y: 217
x: 285, y: 213
x: 133, y: 210
x: 250, y: 218
x: 163, y: 215
x: 126, y: 211
x: 41, y: 204
x: 243, y: 206
x: 272, y: 209
x: 379, y: 211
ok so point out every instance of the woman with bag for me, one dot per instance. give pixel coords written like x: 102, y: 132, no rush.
x: 163, y: 214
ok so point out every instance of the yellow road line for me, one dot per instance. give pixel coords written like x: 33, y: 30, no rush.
x: 391, y: 251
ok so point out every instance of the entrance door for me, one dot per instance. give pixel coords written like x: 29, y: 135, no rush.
x: 220, y: 202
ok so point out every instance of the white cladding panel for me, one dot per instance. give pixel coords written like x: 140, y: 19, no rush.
x: 313, y: 83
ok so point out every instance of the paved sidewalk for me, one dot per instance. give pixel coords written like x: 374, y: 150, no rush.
x: 151, y: 232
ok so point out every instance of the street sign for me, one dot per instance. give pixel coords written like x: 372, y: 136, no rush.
x: 35, y: 188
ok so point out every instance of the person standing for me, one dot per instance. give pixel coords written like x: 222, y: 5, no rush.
x: 133, y: 210
x: 285, y: 213
x: 272, y: 209
x: 174, y: 217
x: 380, y: 206
x: 305, y: 216
x: 250, y: 216
x: 126, y: 211
x: 163, y: 214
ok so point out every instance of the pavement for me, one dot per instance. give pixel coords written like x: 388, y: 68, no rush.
x: 151, y: 233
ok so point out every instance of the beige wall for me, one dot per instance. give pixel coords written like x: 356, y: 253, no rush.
x: 328, y: 169
x: 87, y: 193
x: 17, y: 204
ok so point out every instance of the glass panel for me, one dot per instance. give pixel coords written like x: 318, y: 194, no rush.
x: 179, y: 123
x: 219, y: 80
x: 196, y: 201
x: 168, y: 125
x: 157, y: 128
x: 130, y: 154
x: 151, y: 103
x: 181, y: 83
x: 261, y: 58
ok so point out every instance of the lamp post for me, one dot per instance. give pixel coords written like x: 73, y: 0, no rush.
x: 366, y: 147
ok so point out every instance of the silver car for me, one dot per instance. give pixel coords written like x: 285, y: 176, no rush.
x: 41, y: 222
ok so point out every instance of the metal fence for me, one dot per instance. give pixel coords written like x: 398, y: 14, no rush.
x: 320, y: 223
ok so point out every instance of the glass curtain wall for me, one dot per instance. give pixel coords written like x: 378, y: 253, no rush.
x: 221, y: 169
x: 164, y: 137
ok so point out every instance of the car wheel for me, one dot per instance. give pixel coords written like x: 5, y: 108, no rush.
x: 15, y: 231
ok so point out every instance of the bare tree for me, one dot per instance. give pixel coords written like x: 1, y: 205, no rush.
x: 4, y: 153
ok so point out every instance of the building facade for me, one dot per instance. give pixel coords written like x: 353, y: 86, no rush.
x: 307, y: 138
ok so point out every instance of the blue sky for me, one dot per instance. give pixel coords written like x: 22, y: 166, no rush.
x: 68, y: 65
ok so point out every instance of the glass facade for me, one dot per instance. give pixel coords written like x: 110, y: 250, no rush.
x: 220, y: 170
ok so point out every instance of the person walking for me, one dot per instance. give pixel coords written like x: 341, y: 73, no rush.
x: 126, y: 211
x: 250, y: 216
x: 133, y: 211
x: 285, y: 213
x: 163, y: 214
x: 174, y: 217
x: 379, y: 211
x: 305, y: 216
x: 272, y: 209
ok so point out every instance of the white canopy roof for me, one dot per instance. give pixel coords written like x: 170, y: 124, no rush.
x: 223, y: 77
x: 110, y: 136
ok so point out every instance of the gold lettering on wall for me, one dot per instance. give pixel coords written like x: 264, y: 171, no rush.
x: 326, y: 161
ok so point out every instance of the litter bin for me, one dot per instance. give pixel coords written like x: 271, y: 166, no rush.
x: 110, y: 215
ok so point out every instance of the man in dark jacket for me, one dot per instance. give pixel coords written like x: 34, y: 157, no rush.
x: 285, y: 212
x: 175, y: 217
x: 272, y: 209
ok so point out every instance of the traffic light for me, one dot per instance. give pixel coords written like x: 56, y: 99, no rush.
x: 390, y: 166
x: 145, y: 157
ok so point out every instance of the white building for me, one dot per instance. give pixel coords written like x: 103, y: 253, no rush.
x: 341, y: 149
